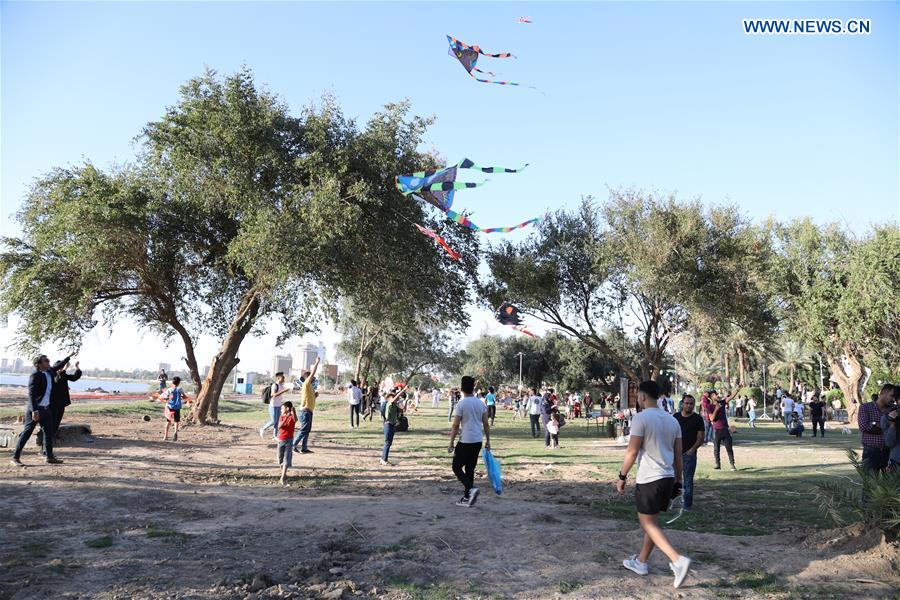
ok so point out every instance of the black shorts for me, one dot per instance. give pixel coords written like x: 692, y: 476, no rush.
x: 173, y: 415
x: 654, y: 497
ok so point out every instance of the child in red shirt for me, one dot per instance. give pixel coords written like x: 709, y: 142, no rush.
x: 284, y: 432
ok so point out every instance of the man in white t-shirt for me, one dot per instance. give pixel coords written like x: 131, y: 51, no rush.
x: 354, y: 399
x: 787, y: 407
x: 435, y: 397
x: 470, y: 421
x: 656, y: 446
x: 534, y: 412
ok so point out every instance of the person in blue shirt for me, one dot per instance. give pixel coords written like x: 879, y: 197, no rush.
x: 490, y: 400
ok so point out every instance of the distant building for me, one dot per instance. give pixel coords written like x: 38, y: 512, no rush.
x: 19, y: 365
x: 165, y: 367
x: 4, y: 364
x: 308, y: 355
x: 281, y: 363
x: 205, y: 372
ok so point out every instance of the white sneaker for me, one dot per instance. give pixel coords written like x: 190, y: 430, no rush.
x: 262, y: 433
x: 384, y: 463
x: 633, y: 564
x: 463, y: 502
x: 473, y: 497
x: 680, y: 567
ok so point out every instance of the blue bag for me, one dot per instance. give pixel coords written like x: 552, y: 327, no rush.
x: 493, y: 471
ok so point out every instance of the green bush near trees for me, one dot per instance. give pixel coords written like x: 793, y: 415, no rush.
x: 832, y: 395
x: 752, y: 392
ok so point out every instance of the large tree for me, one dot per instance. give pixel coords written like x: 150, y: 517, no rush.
x: 839, y: 295
x: 236, y: 215
x: 651, y: 267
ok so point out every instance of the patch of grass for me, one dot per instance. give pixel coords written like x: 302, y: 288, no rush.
x: 415, y: 591
x: 600, y: 556
x: 566, y: 587
x: 36, y: 549
x: 760, y: 582
x: 167, y: 535
x: 408, y: 543
x: 104, y: 541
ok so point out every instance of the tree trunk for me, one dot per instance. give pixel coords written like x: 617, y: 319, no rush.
x: 191, y: 358
x: 791, y: 386
x: 727, y: 370
x: 206, y: 406
x: 362, y: 349
x: 742, y: 356
x: 848, y: 373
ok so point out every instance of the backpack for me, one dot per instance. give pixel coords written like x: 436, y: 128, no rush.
x: 267, y: 394
x: 562, y: 420
x: 402, y: 424
x: 174, y: 401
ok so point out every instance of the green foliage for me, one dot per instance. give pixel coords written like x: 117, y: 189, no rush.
x: 235, y: 216
x: 752, y: 392
x: 832, y: 395
x: 553, y: 358
x: 663, y: 265
x: 876, y: 503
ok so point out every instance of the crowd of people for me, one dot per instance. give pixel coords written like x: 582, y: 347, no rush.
x: 663, y: 439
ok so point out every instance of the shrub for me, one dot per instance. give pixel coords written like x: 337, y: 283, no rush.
x: 752, y: 392
x: 875, y: 503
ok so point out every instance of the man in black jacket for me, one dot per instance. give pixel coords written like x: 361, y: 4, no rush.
x: 38, y: 412
x: 59, y: 396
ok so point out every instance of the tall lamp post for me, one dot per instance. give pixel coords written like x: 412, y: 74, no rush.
x: 520, y: 355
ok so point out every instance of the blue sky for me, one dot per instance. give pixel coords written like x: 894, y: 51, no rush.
x: 662, y: 96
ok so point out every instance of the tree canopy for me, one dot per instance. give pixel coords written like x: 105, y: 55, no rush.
x: 235, y: 214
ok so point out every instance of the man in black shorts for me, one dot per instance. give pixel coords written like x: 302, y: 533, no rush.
x: 656, y: 446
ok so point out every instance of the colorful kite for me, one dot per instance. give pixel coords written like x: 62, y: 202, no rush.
x: 438, y: 188
x: 468, y: 57
x: 523, y: 20
x: 507, y: 314
x: 453, y: 253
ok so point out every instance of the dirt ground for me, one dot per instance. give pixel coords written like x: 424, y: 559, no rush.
x: 130, y: 516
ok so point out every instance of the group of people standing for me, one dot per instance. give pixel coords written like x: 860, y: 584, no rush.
x: 48, y: 397
x: 284, y: 418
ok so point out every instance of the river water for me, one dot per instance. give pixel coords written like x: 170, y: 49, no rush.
x: 85, y: 383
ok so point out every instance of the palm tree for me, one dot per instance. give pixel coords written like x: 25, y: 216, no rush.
x: 697, y: 365
x: 794, y: 357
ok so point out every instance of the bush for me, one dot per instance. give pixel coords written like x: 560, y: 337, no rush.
x: 752, y: 392
x: 875, y: 503
x: 832, y: 395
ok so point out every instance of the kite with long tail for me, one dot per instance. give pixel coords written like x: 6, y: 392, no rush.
x: 443, y: 243
x: 468, y: 57
x: 438, y: 188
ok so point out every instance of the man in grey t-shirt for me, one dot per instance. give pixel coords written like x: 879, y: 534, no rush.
x: 656, y: 446
x: 469, y: 416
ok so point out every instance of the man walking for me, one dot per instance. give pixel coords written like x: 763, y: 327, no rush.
x: 38, y: 411
x: 546, y: 409
x: 435, y: 398
x: 692, y: 434
x: 787, y: 407
x: 534, y: 412
x: 817, y: 414
x: 721, y: 431
x: 875, y: 453
x: 471, y: 419
x: 307, y: 406
x: 655, y: 444
x: 354, y: 399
